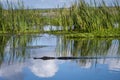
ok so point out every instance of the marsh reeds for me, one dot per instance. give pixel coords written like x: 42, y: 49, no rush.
x: 84, y: 17
x: 17, y: 18
x: 80, y: 17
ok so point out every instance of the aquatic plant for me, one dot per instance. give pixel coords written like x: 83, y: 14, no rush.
x: 17, y: 18
x: 83, y: 17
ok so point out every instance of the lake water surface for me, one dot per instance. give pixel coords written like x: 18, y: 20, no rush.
x: 17, y: 53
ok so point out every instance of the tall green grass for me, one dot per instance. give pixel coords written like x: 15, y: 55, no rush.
x: 16, y: 18
x: 84, y: 17
x: 81, y: 16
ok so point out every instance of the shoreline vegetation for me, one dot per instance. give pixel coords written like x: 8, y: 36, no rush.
x: 80, y: 20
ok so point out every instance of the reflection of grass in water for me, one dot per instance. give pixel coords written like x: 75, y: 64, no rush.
x: 86, y: 47
x: 3, y: 43
x: 12, y: 55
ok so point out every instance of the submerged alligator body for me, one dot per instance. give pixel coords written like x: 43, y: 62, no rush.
x: 66, y: 58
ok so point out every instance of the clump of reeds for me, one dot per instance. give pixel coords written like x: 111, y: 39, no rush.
x: 17, y: 18
x: 84, y: 17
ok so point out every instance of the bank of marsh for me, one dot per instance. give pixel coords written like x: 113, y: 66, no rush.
x: 80, y: 17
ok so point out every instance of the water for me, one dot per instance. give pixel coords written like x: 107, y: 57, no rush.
x: 17, y: 63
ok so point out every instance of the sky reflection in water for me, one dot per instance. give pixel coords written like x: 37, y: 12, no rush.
x: 91, y: 69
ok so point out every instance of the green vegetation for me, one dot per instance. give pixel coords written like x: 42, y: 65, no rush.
x: 83, y: 17
x: 79, y: 20
x: 18, y: 19
x: 84, y: 20
x: 107, y: 33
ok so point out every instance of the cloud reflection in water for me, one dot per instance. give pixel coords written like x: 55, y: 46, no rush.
x: 48, y: 68
x: 44, y: 68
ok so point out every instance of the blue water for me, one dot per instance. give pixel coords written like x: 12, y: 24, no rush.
x: 26, y: 68
x: 66, y: 70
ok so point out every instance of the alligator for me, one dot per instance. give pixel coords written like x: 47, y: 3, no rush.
x: 67, y: 58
